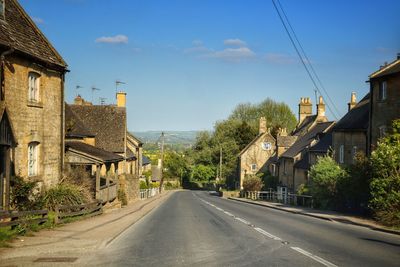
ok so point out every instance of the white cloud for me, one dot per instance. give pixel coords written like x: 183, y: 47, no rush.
x: 278, y: 58
x: 117, y: 39
x: 38, y: 20
x: 234, y: 54
x: 235, y: 42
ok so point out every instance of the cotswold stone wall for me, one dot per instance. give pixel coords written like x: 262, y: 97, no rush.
x: 35, y: 122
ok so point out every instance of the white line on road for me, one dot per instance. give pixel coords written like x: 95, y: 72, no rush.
x: 314, y: 257
x: 229, y: 214
x: 266, y: 233
x: 242, y: 220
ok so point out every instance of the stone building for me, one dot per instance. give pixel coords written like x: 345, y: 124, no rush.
x: 384, y: 100
x: 306, y: 132
x: 253, y: 158
x: 31, y: 102
x: 108, y: 123
x: 349, y: 135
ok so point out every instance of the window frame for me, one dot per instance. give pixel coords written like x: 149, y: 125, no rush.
x: 34, y: 87
x: 382, y: 93
x: 33, y: 159
x: 341, y: 154
x: 253, y: 167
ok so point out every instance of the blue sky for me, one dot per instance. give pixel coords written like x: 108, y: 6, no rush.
x: 188, y: 63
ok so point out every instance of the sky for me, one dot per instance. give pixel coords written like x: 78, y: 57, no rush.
x: 187, y: 63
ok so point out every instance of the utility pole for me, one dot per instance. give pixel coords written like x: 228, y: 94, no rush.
x: 162, y: 160
x: 220, y: 162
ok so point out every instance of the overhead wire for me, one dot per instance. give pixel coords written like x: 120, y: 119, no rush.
x: 301, y: 57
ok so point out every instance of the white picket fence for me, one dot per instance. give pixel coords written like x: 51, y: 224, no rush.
x: 148, y: 193
x: 288, y: 198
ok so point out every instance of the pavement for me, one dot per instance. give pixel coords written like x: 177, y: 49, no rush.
x: 67, y: 243
x: 194, y: 228
x: 321, y: 214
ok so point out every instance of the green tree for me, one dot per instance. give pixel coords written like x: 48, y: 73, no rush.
x: 203, y: 173
x: 325, y: 178
x: 385, y: 183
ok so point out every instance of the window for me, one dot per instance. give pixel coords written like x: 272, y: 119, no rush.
x: 266, y: 145
x: 382, y: 90
x: 273, y: 170
x: 382, y: 131
x: 253, y: 167
x: 33, y: 159
x: 341, y: 154
x: 2, y: 9
x: 284, y: 167
x: 33, y: 80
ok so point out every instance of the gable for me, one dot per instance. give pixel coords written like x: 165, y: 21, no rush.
x: 265, y: 137
x: 18, y: 31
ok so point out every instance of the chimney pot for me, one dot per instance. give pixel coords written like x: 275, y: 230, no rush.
x: 121, y: 99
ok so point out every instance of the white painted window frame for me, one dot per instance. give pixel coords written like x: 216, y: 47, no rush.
x: 33, y: 87
x: 341, y: 154
x: 33, y: 159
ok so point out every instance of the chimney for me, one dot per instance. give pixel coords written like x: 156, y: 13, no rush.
x: 305, y: 108
x: 398, y: 56
x: 282, y: 132
x: 81, y: 102
x: 262, y: 126
x: 353, y: 101
x: 121, y: 99
x: 321, y: 107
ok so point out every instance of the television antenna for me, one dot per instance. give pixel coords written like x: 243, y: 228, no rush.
x: 94, y: 89
x: 77, y: 89
x: 117, y: 83
x: 102, y: 100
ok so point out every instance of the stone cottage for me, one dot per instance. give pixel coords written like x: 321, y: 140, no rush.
x: 253, y: 158
x: 31, y: 102
x: 384, y: 100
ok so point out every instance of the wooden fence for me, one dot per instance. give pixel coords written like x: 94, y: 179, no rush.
x: 88, y: 210
x: 14, y: 218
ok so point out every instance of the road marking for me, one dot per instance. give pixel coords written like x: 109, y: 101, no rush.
x: 229, y: 214
x: 242, y: 220
x: 314, y: 257
x: 266, y: 233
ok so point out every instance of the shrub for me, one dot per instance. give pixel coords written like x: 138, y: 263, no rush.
x: 23, y: 195
x: 325, y: 176
x: 154, y: 185
x: 80, y: 176
x: 270, y: 181
x: 252, y: 183
x: 143, y: 185
x: 385, y: 183
x: 64, y: 194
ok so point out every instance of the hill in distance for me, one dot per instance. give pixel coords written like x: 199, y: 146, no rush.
x: 171, y: 137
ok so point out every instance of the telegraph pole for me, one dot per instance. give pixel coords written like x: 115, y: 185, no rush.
x: 162, y: 161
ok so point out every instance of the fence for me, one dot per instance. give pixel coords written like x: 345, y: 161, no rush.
x: 14, y: 218
x: 272, y: 196
x: 147, y: 193
x: 89, y: 210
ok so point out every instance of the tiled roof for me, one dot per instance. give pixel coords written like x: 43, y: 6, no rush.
x: 145, y: 160
x: 130, y: 154
x: 324, y: 144
x: 391, y: 68
x: 18, y: 31
x: 303, y: 127
x: 306, y: 139
x: 74, y: 127
x: 92, y: 151
x: 356, y: 119
x: 107, y: 122
x: 286, y: 141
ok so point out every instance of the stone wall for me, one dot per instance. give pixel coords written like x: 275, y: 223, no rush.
x: 40, y: 122
x: 352, y: 142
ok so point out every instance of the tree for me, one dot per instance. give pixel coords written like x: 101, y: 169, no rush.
x: 203, y: 173
x: 385, y: 183
x: 325, y: 177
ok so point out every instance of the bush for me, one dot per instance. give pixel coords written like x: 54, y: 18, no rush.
x: 270, y: 181
x: 64, y: 194
x: 80, y: 176
x: 23, y: 195
x: 252, y: 183
x: 143, y: 185
x: 385, y: 183
x: 325, y: 176
x: 154, y: 185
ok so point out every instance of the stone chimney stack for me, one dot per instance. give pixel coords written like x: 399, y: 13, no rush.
x: 353, y: 101
x: 282, y: 132
x: 305, y: 108
x: 121, y: 99
x: 320, y: 107
x: 81, y: 102
x: 262, y: 126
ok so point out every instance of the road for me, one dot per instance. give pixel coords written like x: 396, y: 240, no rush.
x: 193, y: 228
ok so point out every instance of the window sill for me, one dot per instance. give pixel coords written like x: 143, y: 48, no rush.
x: 35, y: 104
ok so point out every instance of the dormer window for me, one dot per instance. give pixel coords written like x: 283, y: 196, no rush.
x: 382, y: 90
x: 33, y: 87
x: 2, y: 9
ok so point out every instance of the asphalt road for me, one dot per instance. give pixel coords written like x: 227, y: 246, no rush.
x: 196, y: 229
